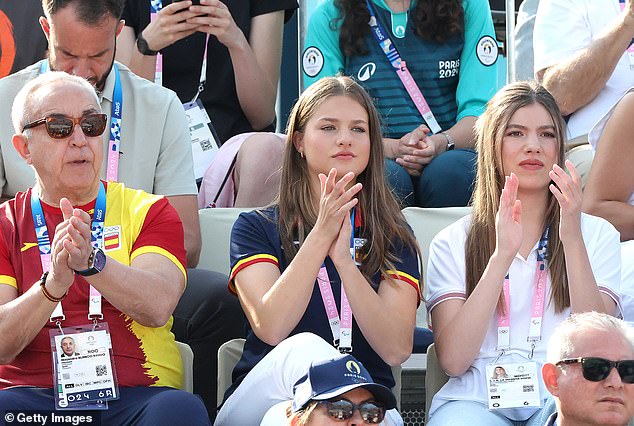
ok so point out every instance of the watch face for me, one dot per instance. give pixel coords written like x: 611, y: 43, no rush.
x: 100, y: 260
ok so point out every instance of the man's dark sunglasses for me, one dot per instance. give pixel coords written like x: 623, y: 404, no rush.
x: 61, y: 126
x: 597, y: 369
x: 342, y: 409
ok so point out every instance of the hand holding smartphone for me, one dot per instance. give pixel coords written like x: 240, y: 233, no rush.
x: 194, y: 2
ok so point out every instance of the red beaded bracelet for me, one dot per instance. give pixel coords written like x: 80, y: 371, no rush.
x: 48, y: 295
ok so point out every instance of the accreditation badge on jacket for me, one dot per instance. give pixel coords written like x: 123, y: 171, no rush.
x: 204, y: 142
x: 513, y: 385
x: 83, y: 367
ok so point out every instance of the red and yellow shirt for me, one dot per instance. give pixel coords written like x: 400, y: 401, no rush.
x: 135, y: 223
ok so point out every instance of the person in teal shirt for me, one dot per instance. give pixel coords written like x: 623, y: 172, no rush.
x: 451, y: 52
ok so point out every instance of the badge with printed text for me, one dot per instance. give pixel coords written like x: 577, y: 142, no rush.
x: 83, y: 367
x: 204, y: 143
x: 513, y: 385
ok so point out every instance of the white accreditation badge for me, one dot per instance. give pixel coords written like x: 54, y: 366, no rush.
x: 513, y: 385
x: 83, y: 373
x: 204, y: 144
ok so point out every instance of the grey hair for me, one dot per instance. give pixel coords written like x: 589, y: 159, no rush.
x: 22, y: 110
x: 561, y: 344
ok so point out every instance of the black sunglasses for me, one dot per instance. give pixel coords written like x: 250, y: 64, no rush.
x: 597, y: 369
x: 61, y: 126
x: 342, y: 409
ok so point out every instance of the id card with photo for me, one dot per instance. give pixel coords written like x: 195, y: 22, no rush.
x: 83, y: 366
x: 513, y: 385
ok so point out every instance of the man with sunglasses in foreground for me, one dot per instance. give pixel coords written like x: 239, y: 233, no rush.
x: 591, y: 371
x: 107, y: 269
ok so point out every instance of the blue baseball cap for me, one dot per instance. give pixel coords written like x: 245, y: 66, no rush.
x: 332, y: 377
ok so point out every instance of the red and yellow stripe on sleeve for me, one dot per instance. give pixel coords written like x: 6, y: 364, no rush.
x: 407, y: 278
x: 248, y: 261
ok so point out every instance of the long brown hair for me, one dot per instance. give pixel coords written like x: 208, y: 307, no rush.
x: 434, y: 20
x: 490, y: 129
x: 384, y: 224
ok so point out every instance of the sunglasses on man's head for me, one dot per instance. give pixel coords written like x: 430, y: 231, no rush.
x: 597, y: 369
x: 61, y: 126
x: 342, y: 409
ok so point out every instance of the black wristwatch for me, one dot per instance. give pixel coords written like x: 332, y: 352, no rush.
x: 96, y: 263
x: 141, y: 44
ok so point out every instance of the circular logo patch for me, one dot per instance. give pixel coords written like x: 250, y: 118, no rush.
x: 487, y: 51
x: 312, y: 61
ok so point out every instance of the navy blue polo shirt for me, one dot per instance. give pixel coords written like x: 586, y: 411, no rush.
x: 255, y: 238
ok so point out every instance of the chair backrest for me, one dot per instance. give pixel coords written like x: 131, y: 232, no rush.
x: 187, y: 358
x: 230, y: 352
x: 426, y: 223
x: 215, y: 232
x: 435, y: 378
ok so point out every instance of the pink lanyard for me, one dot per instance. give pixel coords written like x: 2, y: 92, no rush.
x: 388, y: 47
x: 537, y: 312
x: 341, y: 330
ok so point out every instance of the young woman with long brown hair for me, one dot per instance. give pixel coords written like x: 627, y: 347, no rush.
x: 502, y: 278
x: 335, y: 229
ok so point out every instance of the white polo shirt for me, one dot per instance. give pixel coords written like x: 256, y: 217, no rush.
x: 446, y: 280
x: 563, y: 28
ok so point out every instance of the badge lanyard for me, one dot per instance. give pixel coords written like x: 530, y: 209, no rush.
x: 401, y: 70
x: 44, y: 245
x: 537, y: 312
x: 116, y: 114
x: 630, y: 48
x: 155, y: 7
x: 341, y: 330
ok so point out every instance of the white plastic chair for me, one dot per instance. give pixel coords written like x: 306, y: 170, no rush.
x: 187, y: 357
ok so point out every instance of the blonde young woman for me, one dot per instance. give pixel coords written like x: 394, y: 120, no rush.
x: 501, y: 279
x: 291, y: 262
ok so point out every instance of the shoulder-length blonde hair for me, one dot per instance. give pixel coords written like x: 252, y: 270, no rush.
x: 490, y: 130
x: 384, y: 224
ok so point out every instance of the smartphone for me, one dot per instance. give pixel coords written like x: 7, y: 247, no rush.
x: 194, y: 2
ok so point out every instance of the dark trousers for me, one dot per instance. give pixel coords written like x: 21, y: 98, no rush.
x: 139, y: 406
x: 207, y: 316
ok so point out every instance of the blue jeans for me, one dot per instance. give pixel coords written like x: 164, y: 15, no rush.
x: 445, y: 182
x: 423, y: 337
x: 471, y: 413
x: 139, y: 406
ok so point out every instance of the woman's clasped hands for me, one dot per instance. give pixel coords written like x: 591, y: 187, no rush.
x: 333, y: 219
